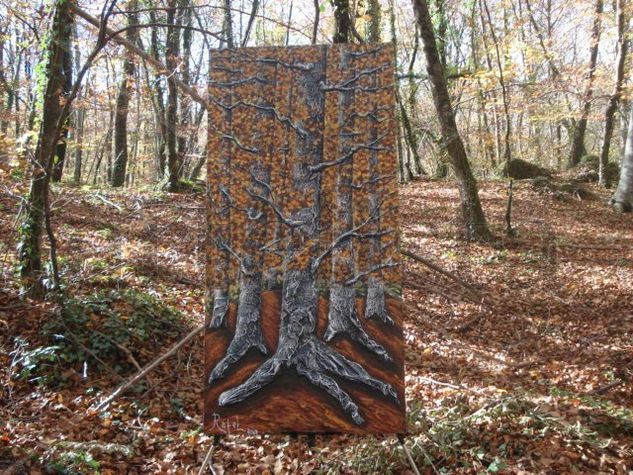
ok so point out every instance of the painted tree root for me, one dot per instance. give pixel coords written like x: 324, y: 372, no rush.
x: 220, y: 308
x: 342, y: 319
x: 300, y: 348
x: 248, y: 330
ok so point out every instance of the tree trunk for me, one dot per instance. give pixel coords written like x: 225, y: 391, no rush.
x: 615, y: 95
x: 159, y: 102
x: 62, y: 145
x: 3, y: 86
x: 342, y: 21
x: 171, y: 56
x: 507, y: 151
x: 578, y: 143
x: 228, y: 24
x: 29, y: 247
x: 622, y: 199
x: 123, y: 104
x: 79, y: 120
x: 472, y: 212
x: 185, y: 132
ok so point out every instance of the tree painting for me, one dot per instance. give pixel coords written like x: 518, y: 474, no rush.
x: 304, y: 320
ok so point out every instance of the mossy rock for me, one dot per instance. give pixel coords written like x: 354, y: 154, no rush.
x: 588, y: 168
x: 563, y: 191
x: 522, y: 170
x: 589, y: 161
x: 542, y: 184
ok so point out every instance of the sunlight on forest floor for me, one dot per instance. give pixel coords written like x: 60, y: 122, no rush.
x: 531, y: 372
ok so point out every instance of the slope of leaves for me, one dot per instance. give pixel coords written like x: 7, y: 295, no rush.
x: 528, y: 370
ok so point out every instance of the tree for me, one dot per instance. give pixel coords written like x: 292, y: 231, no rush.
x: 507, y: 153
x: 171, y: 116
x: 342, y: 21
x: 614, y: 99
x: 622, y: 199
x: 53, y: 80
x: 158, y: 101
x: 578, y: 141
x: 119, y: 169
x: 472, y: 212
x: 80, y: 119
x: 62, y: 145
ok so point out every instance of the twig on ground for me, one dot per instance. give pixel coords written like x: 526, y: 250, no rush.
x: 606, y: 388
x: 414, y: 467
x: 438, y: 269
x: 438, y: 290
x: 141, y: 374
x: 11, y: 307
x: 107, y: 201
x: 207, y: 460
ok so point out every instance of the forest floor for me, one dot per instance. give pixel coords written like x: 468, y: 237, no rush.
x: 526, y: 368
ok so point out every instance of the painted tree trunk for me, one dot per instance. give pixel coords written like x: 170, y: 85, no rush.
x: 307, y: 131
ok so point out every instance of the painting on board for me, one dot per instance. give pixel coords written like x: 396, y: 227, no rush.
x: 304, y: 319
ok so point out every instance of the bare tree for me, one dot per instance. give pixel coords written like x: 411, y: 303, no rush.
x: 617, y: 91
x: 171, y: 115
x: 119, y: 168
x: 472, y: 212
x: 578, y: 141
x: 622, y: 199
x: 62, y: 145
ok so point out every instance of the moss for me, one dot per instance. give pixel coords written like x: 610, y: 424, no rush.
x: 522, y: 170
x: 587, y: 170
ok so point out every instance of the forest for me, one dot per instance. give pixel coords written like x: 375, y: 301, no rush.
x: 513, y: 162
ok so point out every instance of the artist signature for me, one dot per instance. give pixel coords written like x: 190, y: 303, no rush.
x: 228, y: 425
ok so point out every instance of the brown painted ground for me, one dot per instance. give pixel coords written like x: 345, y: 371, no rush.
x: 290, y: 403
x: 500, y: 384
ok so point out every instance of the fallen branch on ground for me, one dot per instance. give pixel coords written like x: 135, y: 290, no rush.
x: 606, y: 388
x: 141, y: 374
x: 107, y: 201
x: 438, y: 269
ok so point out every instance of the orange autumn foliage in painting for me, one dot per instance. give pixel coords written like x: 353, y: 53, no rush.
x: 302, y: 242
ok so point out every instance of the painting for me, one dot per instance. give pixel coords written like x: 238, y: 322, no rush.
x: 304, y: 319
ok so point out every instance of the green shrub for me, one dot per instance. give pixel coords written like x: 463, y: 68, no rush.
x: 108, y: 328
x: 36, y: 365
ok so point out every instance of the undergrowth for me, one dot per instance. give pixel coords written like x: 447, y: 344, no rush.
x: 107, y: 331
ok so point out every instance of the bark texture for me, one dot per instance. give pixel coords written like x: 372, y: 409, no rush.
x: 622, y: 199
x: 31, y: 229
x: 578, y: 142
x: 612, y: 106
x: 120, y: 162
x: 299, y: 141
x: 472, y: 212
